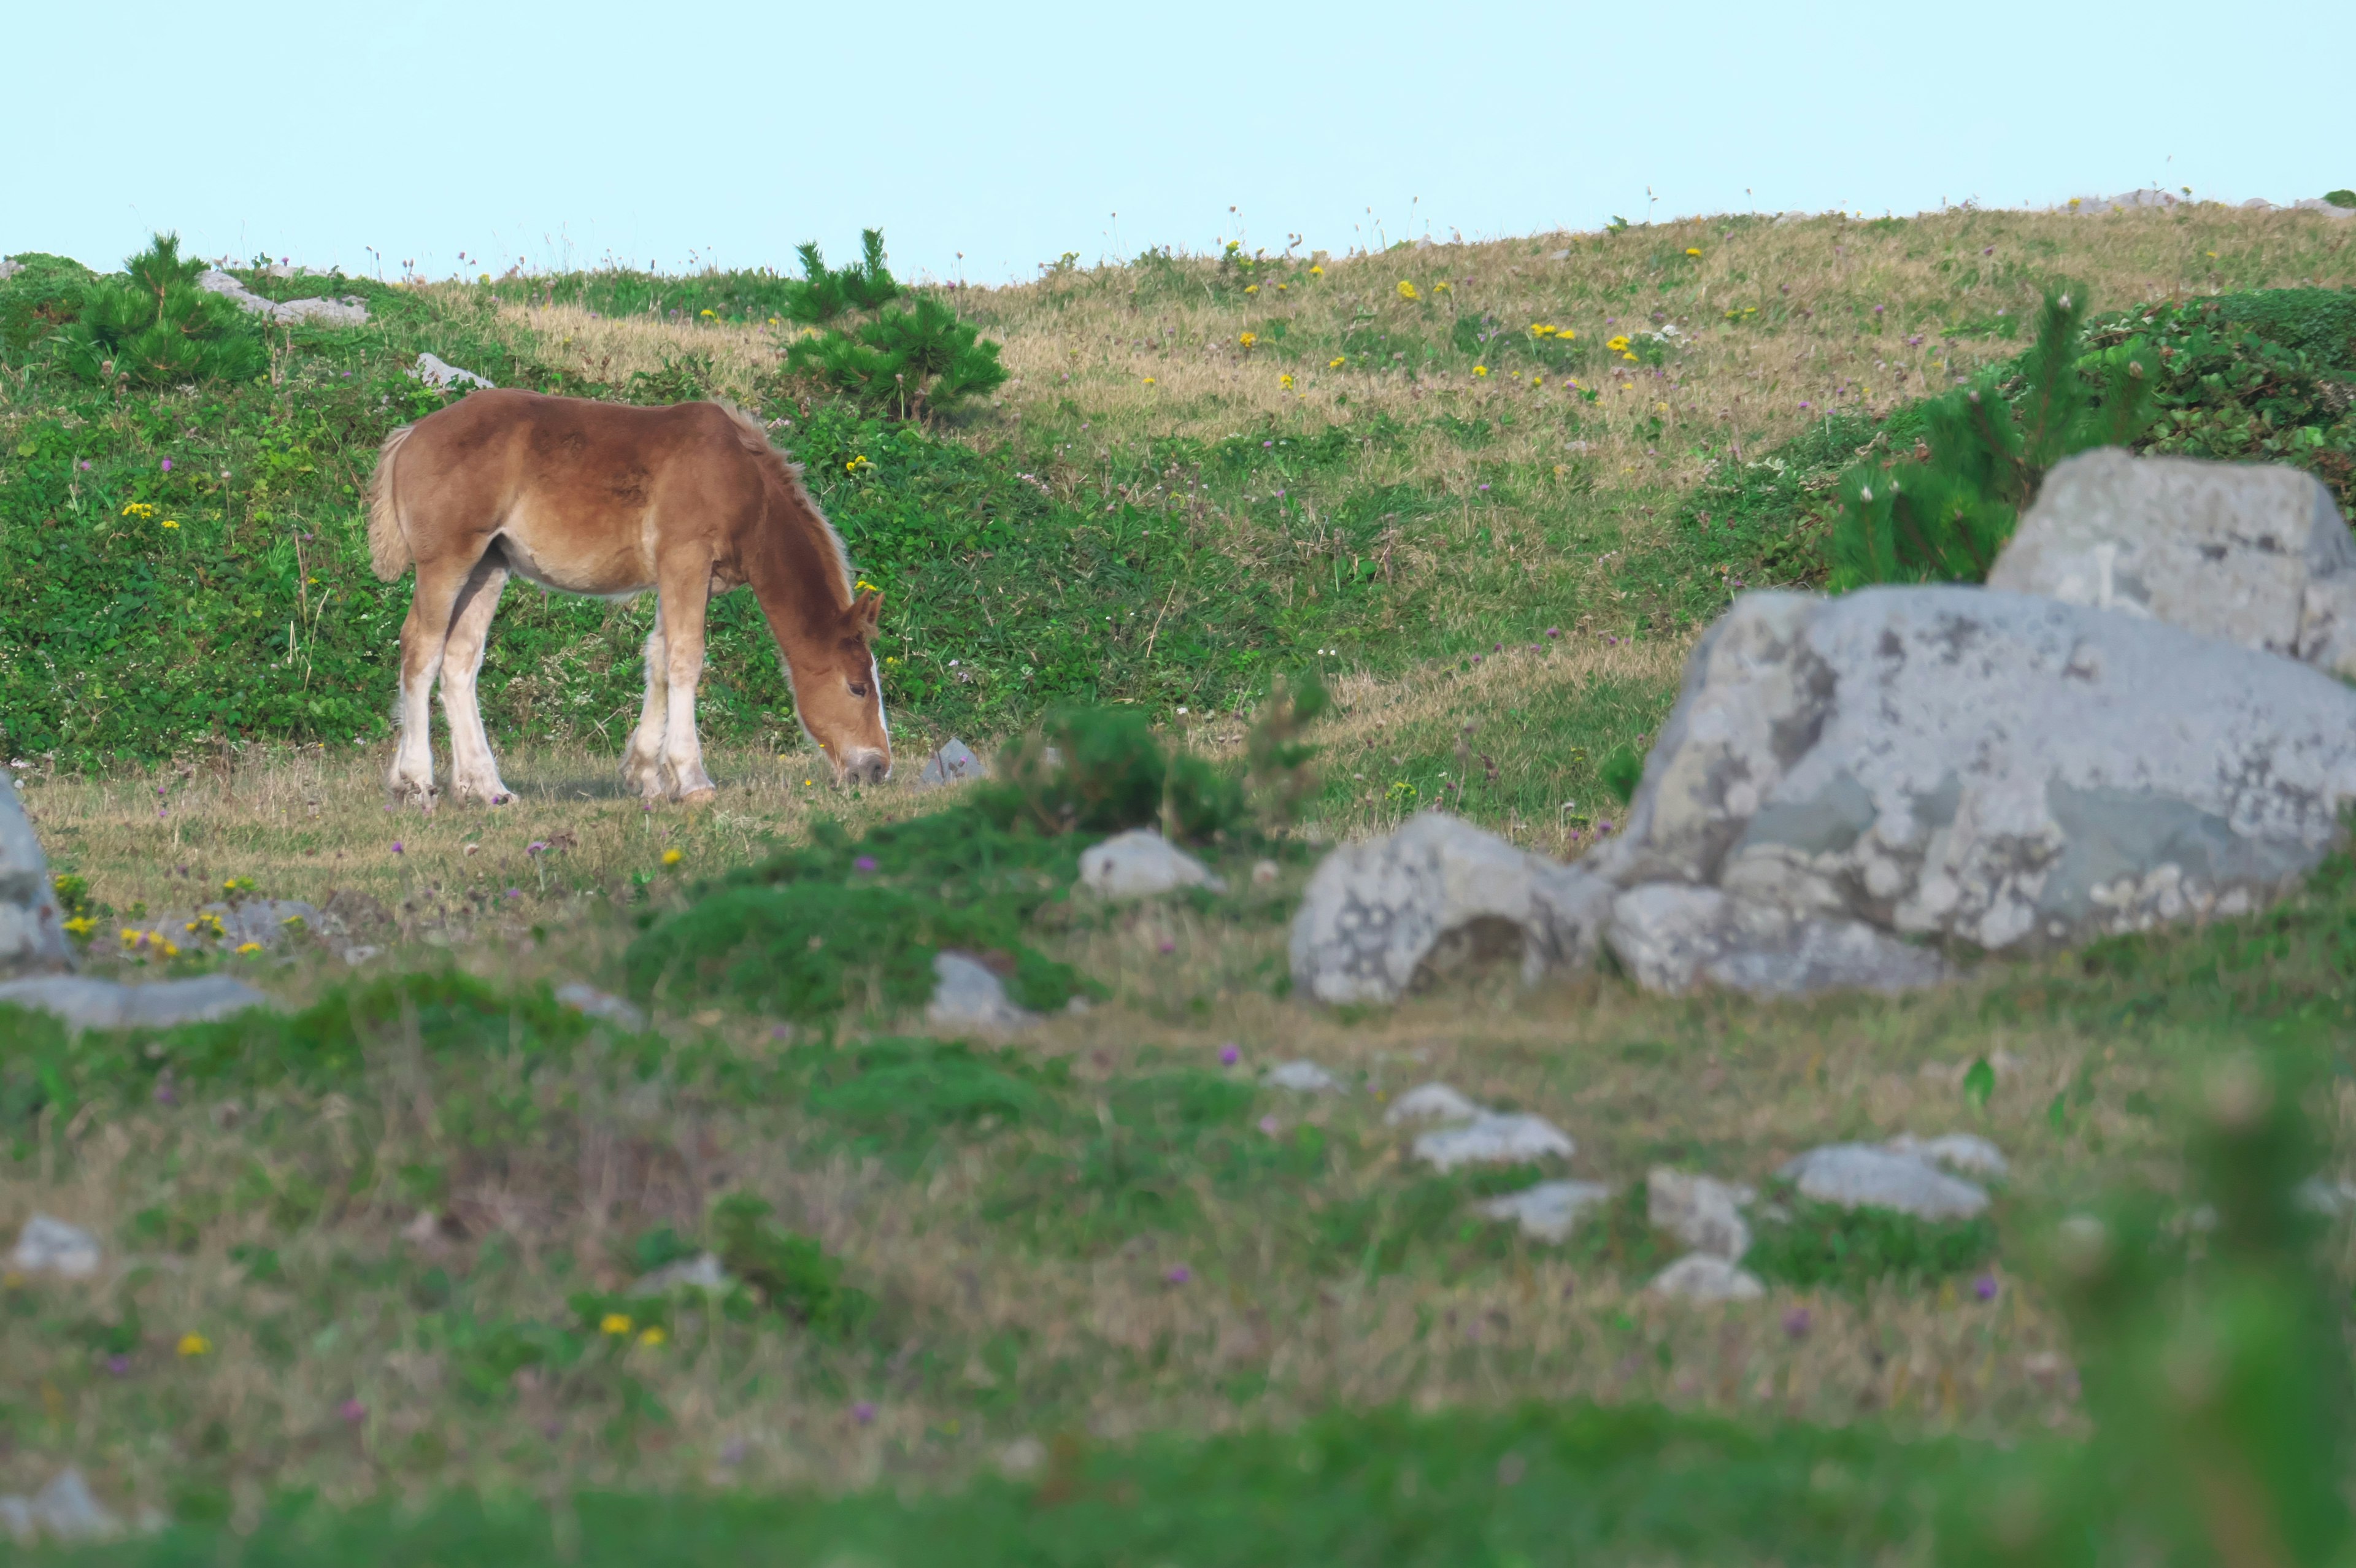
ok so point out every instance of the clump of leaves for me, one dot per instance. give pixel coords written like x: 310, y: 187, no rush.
x: 824, y: 292
x: 154, y: 326
x: 1276, y: 754
x: 1944, y: 513
x: 792, y: 1272
x: 1623, y: 771
x: 2213, y: 1357
x: 42, y: 295
x: 1824, y: 1246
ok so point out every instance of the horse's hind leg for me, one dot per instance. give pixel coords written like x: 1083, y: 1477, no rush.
x: 642, y: 765
x: 424, y: 635
x: 474, y: 772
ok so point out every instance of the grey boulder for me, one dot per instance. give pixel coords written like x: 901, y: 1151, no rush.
x: 84, y: 1003
x: 1867, y: 1176
x: 1141, y: 864
x: 1302, y: 1077
x: 968, y: 995
x: 48, y: 1245
x: 1704, y: 1213
x: 1430, y: 1102
x: 1963, y: 765
x: 953, y: 762
x: 438, y: 372
x: 1437, y: 896
x: 1494, y: 1138
x: 1966, y: 1153
x: 32, y: 931
x: 591, y: 1003
x: 63, y: 1510
x: 345, y: 312
x: 1549, y: 1211
x: 2248, y: 552
x: 1706, y: 1277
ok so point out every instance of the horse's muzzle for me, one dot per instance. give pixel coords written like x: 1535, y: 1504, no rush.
x: 866, y: 765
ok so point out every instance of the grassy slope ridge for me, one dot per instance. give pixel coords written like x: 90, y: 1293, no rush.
x: 1149, y: 513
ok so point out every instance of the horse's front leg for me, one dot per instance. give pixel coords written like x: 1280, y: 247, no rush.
x: 686, y: 590
x: 474, y: 772
x: 642, y: 763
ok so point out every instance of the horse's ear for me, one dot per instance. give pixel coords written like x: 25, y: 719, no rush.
x: 867, y: 612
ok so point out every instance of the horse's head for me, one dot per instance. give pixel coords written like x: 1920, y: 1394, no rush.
x: 840, y: 695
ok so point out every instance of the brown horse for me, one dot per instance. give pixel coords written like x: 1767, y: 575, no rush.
x: 611, y: 500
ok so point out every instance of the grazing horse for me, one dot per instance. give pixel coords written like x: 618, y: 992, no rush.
x: 603, y: 499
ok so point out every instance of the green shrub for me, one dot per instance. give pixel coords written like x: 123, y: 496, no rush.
x: 40, y: 298
x: 792, y: 1272
x: 1943, y: 516
x: 824, y: 292
x: 1824, y: 1246
x: 154, y: 326
x: 910, y: 364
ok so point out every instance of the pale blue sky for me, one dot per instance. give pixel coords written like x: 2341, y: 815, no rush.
x: 720, y: 130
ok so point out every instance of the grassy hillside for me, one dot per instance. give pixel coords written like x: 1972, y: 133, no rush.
x: 1100, y: 1291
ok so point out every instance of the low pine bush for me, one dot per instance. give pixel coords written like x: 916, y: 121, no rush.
x: 154, y: 327
x: 1943, y: 515
x: 910, y: 364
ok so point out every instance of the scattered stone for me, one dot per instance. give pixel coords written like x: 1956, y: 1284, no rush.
x: 2254, y: 553
x: 48, y: 1245
x: 359, y: 954
x: 2317, y: 204
x: 1491, y: 1138
x: 348, y: 310
x: 1550, y: 1211
x: 1303, y: 1077
x: 953, y: 762
x: 1141, y: 864
x: 63, y: 1510
x: 967, y: 994
x: 1966, y: 1153
x: 1263, y: 873
x: 1947, y: 763
x: 702, y: 1272
x: 1438, y: 896
x: 32, y: 931
x: 1704, y: 1213
x: 9, y: 268
x: 2331, y: 1197
x: 85, y: 1003
x: 1023, y: 1458
x: 1857, y: 1176
x: 1430, y: 1102
x: 438, y: 372
x: 591, y: 1002
x: 1704, y: 1277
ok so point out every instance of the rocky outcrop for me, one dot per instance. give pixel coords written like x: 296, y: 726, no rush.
x: 80, y: 1002
x: 348, y: 310
x: 953, y: 762
x: 442, y: 376
x: 1846, y: 783
x: 32, y: 931
x: 1438, y: 895
x: 2251, y: 553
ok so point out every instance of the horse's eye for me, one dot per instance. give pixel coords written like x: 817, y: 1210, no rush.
x: 858, y: 688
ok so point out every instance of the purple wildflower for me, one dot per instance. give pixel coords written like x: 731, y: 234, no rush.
x: 865, y: 864
x: 168, y: 465
x: 1603, y: 827
x: 396, y: 845
x: 1168, y: 946
x: 119, y: 1365
x: 1985, y: 1287
x: 1228, y: 1053
x: 1553, y: 632
x: 353, y: 1412
x: 1179, y: 1275
x: 863, y: 1412
x: 537, y: 847
x: 1268, y: 1125
x: 1795, y: 1323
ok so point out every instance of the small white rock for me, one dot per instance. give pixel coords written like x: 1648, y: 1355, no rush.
x: 48, y: 1245
x: 1141, y: 864
x: 1704, y: 1213
x: 1966, y: 1153
x: 703, y: 1272
x: 1491, y: 1139
x: 1302, y: 1076
x: 1430, y: 1102
x: 1700, y: 1276
x: 1549, y: 1211
x: 63, y: 1510
x: 1868, y: 1176
x: 968, y: 995
x: 591, y: 1002
x: 1024, y: 1458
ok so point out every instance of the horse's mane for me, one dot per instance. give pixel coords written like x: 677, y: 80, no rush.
x: 788, y: 477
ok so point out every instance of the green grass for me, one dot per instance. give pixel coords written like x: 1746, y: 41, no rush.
x: 1535, y: 1485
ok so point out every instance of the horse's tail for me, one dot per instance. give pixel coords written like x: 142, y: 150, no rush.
x: 388, y: 546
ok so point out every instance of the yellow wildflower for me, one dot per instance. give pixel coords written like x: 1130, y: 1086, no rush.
x: 1316, y: 272
x: 652, y: 1335
x: 1282, y: 287
x: 1629, y: 356
x: 248, y: 949
x: 80, y: 925
x: 195, y: 1345
x: 614, y: 1323
x: 1480, y: 369
x: 1538, y: 381
x: 773, y: 321
x: 1617, y: 343
x: 170, y: 524
x: 1407, y: 291
x: 856, y: 465
x: 138, y: 509
x: 1541, y: 329
x: 1149, y: 380
x: 1285, y: 382
x: 1248, y: 338
x: 707, y: 315
x: 673, y: 857
x: 1335, y: 363
x: 1251, y: 288
x: 171, y: 949
x: 1693, y: 251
